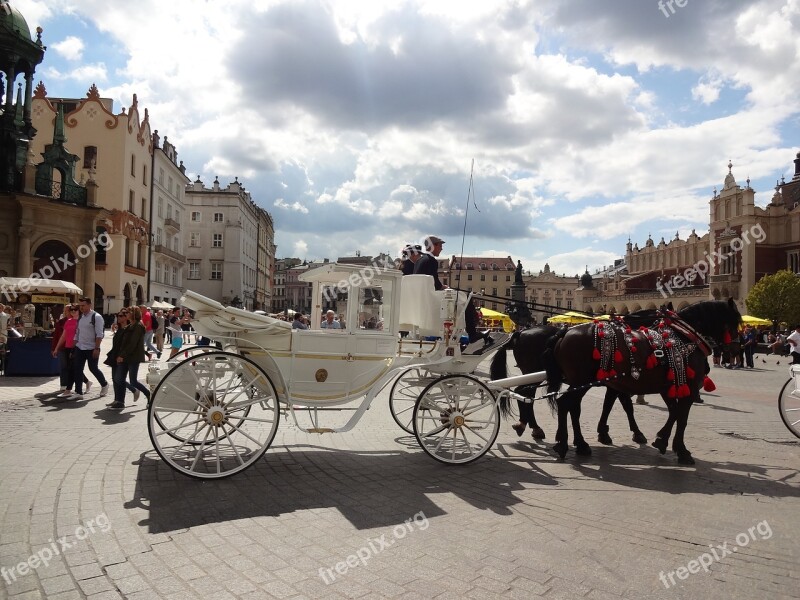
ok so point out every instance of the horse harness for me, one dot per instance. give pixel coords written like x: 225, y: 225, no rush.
x: 671, y: 339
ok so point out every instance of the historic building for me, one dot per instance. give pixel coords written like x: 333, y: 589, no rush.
x: 547, y: 289
x: 167, y: 272
x: 265, y: 261
x: 48, y: 223
x: 222, y: 252
x: 115, y: 150
x: 744, y: 243
x: 492, y: 276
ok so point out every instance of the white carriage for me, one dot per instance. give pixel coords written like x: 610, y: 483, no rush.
x: 214, y: 412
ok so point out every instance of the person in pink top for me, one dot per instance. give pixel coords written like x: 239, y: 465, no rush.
x: 147, y: 321
x: 64, y: 350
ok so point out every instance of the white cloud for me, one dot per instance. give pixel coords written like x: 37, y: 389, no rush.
x: 88, y: 74
x: 70, y: 48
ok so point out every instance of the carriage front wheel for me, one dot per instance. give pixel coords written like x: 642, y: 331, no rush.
x: 403, y: 396
x: 456, y: 419
x: 213, y: 415
x: 789, y: 406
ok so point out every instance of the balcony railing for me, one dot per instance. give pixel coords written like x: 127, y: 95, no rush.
x: 66, y: 192
x: 167, y: 252
x: 172, y: 223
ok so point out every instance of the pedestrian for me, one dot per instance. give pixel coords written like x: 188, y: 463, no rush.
x: 119, y: 371
x: 176, y: 336
x: 129, y: 357
x: 158, y: 334
x: 410, y: 254
x: 298, y: 321
x: 64, y: 350
x: 147, y: 321
x: 88, y: 337
x: 749, y: 337
x: 186, y: 326
x: 794, y: 343
x: 329, y: 322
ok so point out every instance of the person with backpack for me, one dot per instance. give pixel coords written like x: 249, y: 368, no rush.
x: 129, y: 356
x: 88, y: 337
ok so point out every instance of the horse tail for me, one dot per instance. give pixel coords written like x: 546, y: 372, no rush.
x: 554, y: 374
x: 499, y: 370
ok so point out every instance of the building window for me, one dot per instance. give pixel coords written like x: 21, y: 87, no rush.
x: 161, y: 176
x: 195, y: 216
x: 569, y: 304
x: 159, y: 234
x: 494, y: 277
x: 174, y: 275
x: 793, y: 262
x: 483, y: 277
x: 169, y: 185
x: 469, y: 276
x: 169, y: 210
x: 144, y: 175
x: 494, y: 291
x: 160, y: 206
x: 216, y: 270
x: 90, y: 157
x: 194, y: 239
x: 216, y: 242
x: 194, y: 269
x: 131, y: 201
x: 144, y: 208
x: 218, y: 217
x: 508, y: 277
x: 133, y: 165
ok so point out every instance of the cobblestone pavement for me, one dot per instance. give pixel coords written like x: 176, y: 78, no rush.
x: 624, y: 523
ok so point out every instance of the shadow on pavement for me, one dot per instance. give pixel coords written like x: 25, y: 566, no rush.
x: 371, y: 489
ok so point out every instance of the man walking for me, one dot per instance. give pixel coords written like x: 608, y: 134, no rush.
x: 88, y: 336
x: 158, y: 335
x: 147, y: 321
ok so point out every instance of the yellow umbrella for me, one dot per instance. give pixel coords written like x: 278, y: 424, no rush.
x: 571, y: 318
x: 493, y: 315
x: 748, y: 320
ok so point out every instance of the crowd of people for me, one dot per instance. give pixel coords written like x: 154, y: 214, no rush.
x: 139, y: 334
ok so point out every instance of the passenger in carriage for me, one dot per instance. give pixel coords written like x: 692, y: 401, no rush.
x: 329, y: 321
x: 427, y: 263
x: 411, y: 254
x: 298, y: 321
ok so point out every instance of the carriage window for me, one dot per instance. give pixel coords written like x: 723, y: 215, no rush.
x: 375, y: 306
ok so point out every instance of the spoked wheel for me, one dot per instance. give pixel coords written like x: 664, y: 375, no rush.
x: 213, y: 415
x: 403, y: 396
x: 789, y: 406
x: 456, y: 420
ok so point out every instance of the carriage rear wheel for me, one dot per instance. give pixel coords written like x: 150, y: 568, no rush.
x: 457, y: 419
x: 789, y: 406
x: 404, y: 394
x: 213, y: 415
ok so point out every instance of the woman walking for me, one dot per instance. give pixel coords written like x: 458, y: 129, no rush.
x: 129, y: 357
x: 118, y: 370
x: 65, y: 348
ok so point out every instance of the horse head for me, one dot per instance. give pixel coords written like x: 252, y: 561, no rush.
x: 714, y: 319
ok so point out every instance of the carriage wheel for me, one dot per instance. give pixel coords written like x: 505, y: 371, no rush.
x: 176, y: 428
x: 789, y: 406
x: 403, y: 396
x: 213, y: 415
x: 457, y: 419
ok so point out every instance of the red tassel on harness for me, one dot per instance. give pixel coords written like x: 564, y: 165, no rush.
x: 726, y: 339
x: 670, y: 374
x: 617, y: 356
x: 708, y: 385
x: 652, y: 361
x: 601, y: 333
x: 596, y: 354
x: 683, y: 391
x: 601, y: 374
x: 612, y: 373
x: 673, y: 391
x: 690, y: 373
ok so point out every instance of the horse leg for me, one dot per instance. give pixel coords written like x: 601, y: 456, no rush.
x: 662, y: 437
x: 602, y: 424
x: 537, y: 432
x: 627, y: 405
x: 581, y: 447
x: 684, y: 405
x: 527, y: 417
x: 524, y: 408
x: 561, y: 446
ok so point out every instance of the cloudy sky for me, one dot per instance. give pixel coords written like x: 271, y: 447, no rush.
x: 356, y: 123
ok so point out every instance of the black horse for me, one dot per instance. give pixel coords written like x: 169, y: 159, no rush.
x: 645, y: 371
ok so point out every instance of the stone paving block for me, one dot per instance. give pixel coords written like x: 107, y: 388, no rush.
x: 55, y: 585
x: 95, y: 585
x: 86, y: 571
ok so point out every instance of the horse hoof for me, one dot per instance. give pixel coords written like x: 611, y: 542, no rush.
x: 561, y: 449
x: 685, y: 458
x: 519, y: 428
x: 639, y: 438
x: 661, y: 445
x: 583, y: 449
x: 604, y: 438
x: 537, y: 433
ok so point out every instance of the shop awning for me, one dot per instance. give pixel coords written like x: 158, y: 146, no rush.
x: 24, y: 285
x: 159, y: 305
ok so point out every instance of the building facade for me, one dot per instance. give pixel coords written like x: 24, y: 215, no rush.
x: 115, y: 150
x: 167, y: 271
x: 547, y: 289
x: 265, y: 261
x: 492, y: 276
x: 222, y: 249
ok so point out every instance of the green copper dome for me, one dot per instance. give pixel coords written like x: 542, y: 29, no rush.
x: 11, y: 19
